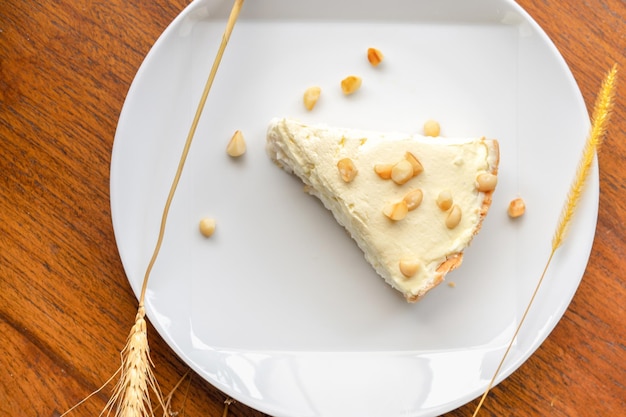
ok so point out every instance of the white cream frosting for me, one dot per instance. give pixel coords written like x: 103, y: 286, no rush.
x: 312, y: 153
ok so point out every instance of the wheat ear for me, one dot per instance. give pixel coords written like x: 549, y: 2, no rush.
x: 131, y: 395
x: 600, y: 119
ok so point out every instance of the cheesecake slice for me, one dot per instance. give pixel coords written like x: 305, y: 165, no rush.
x: 411, y: 203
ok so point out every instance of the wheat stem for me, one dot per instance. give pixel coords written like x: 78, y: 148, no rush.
x: 227, y: 404
x: 234, y: 14
x: 600, y: 120
x: 517, y: 330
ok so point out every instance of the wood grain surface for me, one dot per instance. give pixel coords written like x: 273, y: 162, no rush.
x: 65, y: 304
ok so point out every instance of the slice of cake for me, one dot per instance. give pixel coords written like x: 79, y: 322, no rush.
x: 411, y: 203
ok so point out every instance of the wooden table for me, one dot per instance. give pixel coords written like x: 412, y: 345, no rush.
x: 65, y: 304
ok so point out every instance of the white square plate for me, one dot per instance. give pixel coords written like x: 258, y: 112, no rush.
x: 279, y: 309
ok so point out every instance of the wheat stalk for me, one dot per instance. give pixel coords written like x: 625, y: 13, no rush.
x: 131, y: 394
x: 600, y: 119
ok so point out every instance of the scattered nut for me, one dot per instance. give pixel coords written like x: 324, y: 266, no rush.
x: 486, y: 181
x: 517, y: 207
x: 311, y: 95
x: 413, y: 199
x: 383, y: 170
x: 402, y: 172
x: 347, y: 170
x: 374, y: 56
x: 454, y: 217
x: 444, y: 200
x: 396, y: 211
x: 409, y: 267
x: 237, y: 145
x: 207, y: 226
x: 415, y: 163
x: 432, y: 128
x: 350, y: 84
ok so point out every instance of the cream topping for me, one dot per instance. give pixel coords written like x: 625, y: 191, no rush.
x: 312, y: 152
